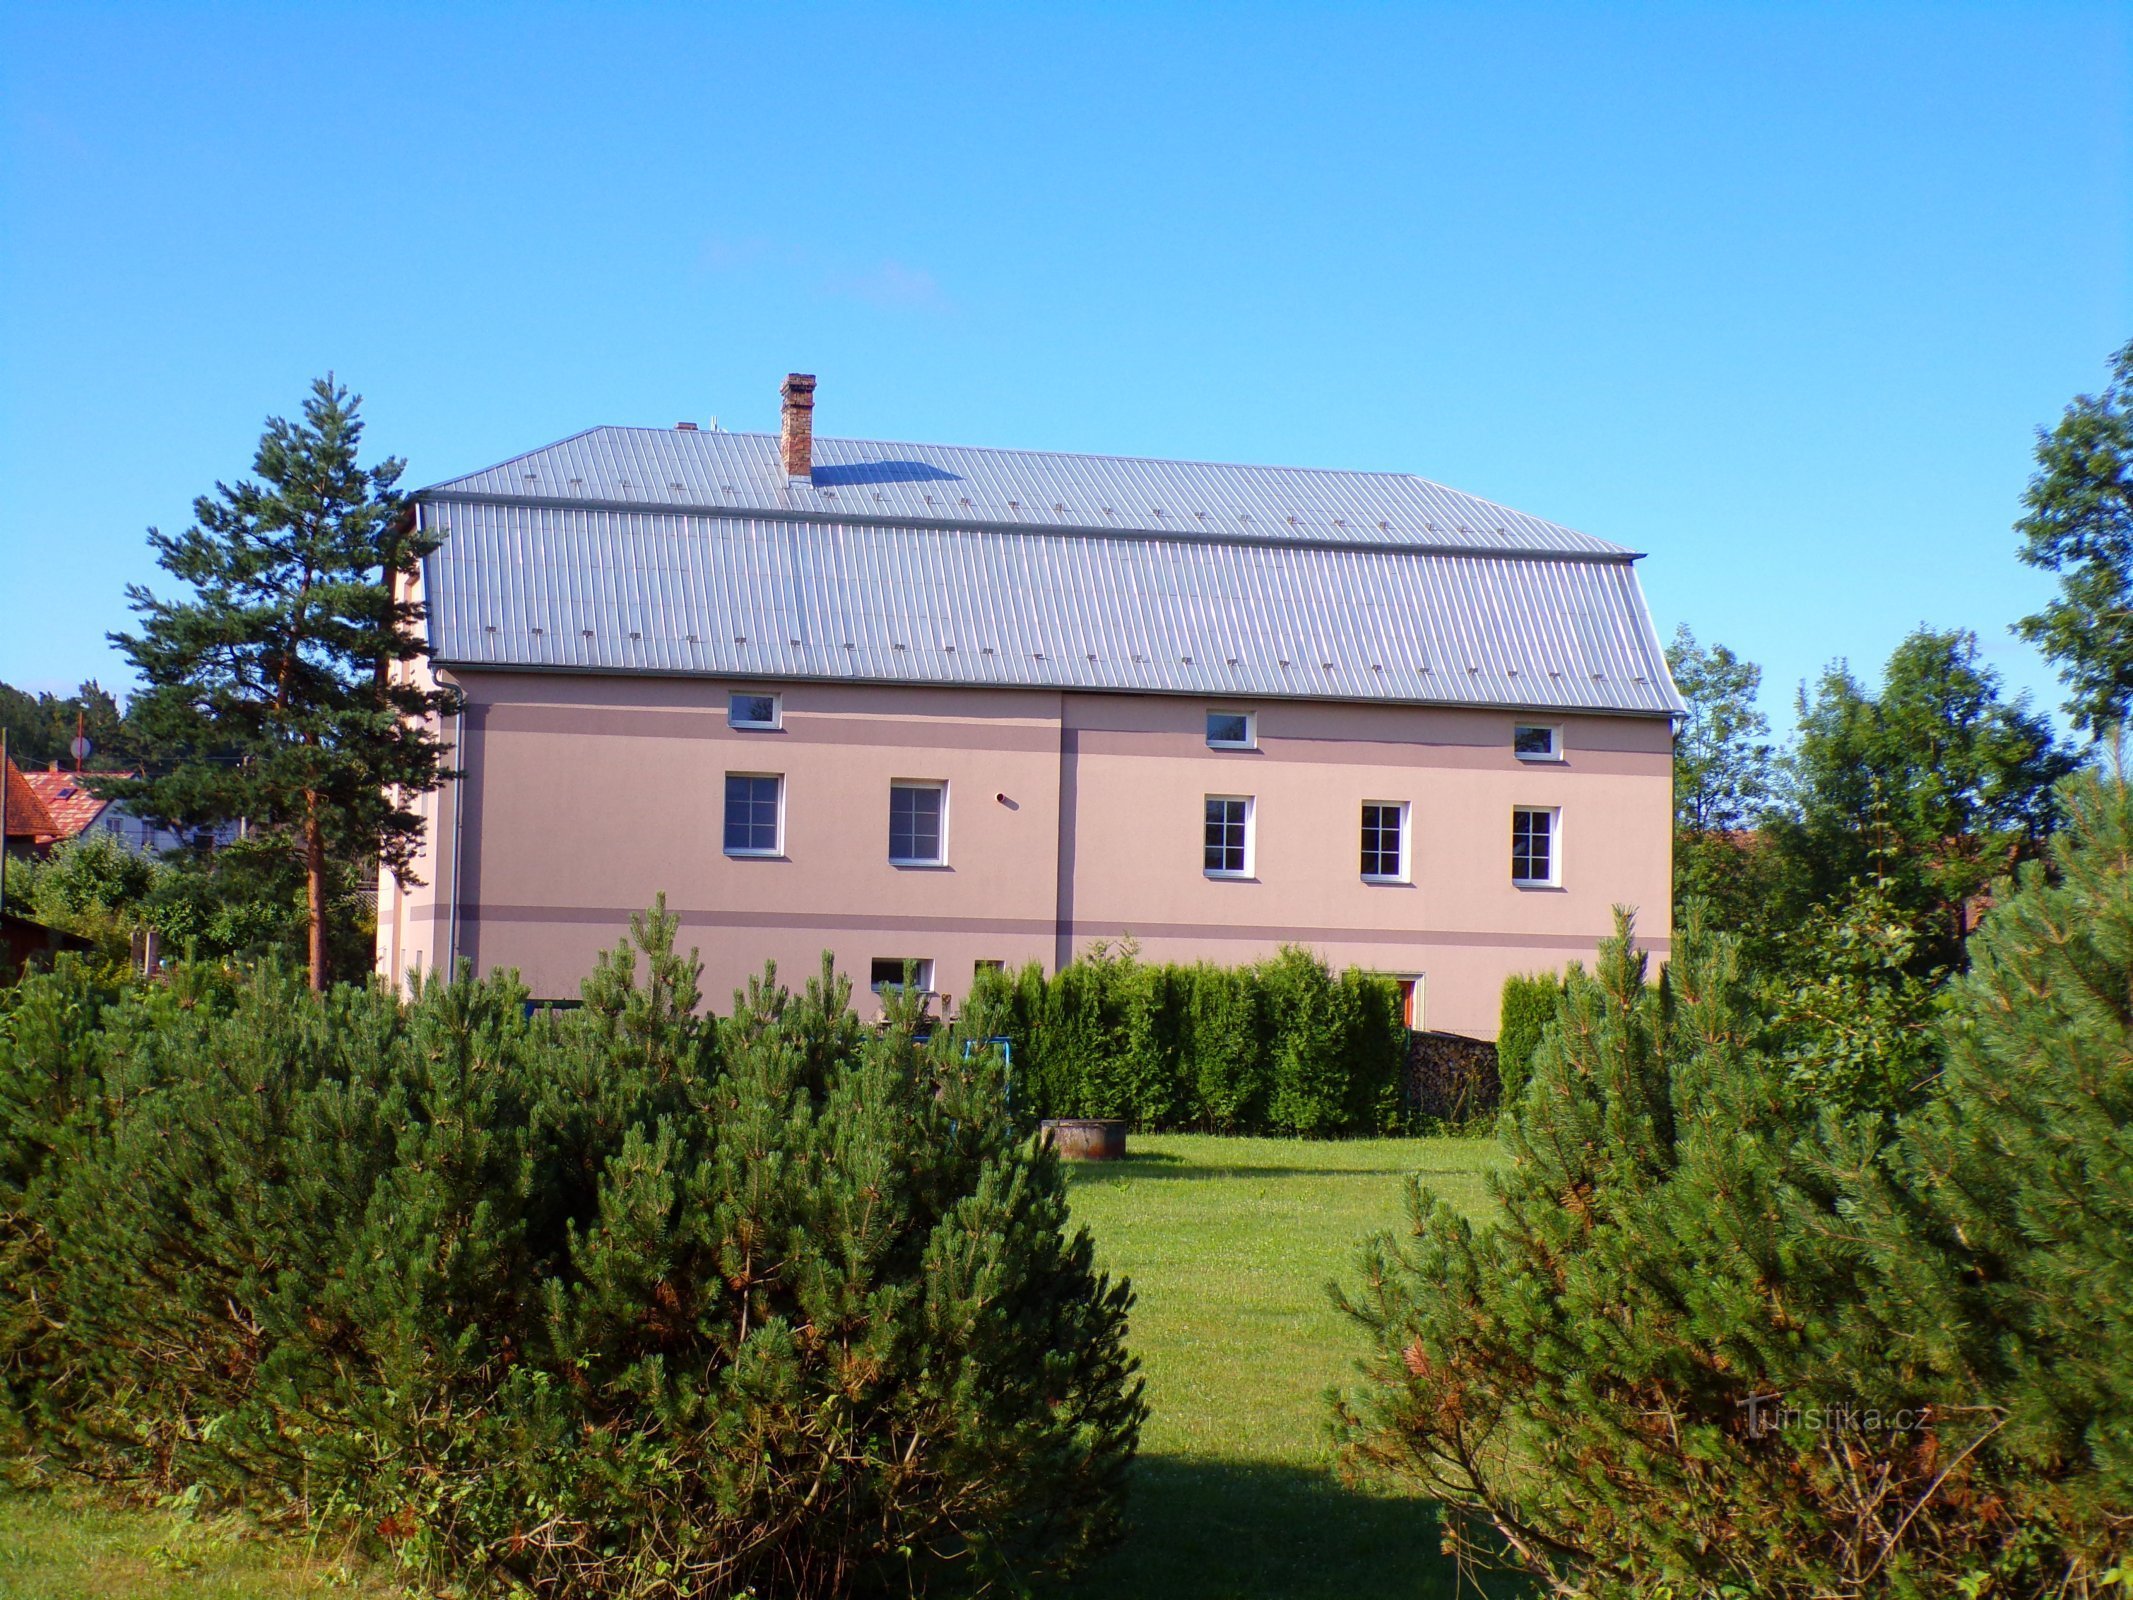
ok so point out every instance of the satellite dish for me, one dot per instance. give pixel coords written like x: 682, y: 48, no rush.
x: 81, y: 748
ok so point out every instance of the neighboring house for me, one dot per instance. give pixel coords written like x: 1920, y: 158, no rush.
x: 24, y: 944
x: 964, y: 707
x: 77, y: 811
x: 26, y: 825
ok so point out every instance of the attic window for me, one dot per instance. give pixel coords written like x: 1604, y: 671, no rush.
x: 751, y: 711
x: 1537, y: 741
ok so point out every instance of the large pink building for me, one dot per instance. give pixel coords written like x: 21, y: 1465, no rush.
x: 958, y: 707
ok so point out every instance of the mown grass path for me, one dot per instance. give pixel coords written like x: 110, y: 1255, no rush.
x: 1230, y: 1243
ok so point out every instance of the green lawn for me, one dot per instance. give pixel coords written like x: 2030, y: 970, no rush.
x: 61, y: 1548
x: 1229, y: 1243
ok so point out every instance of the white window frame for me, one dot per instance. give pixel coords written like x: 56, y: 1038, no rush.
x: 1554, y: 731
x: 777, y: 850
x: 925, y: 973
x: 939, y: 786
x: 1250, y: 741
x: 1405, y: 875
x: 777, y: 710
x: 1251, y: 838
x: 1554, y: 880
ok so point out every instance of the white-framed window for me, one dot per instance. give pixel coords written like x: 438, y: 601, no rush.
x: 888, y: 972
x: 1385, y: 842
x: 1536, y: 847
x: 1228, y: 848
x: 1232, y: 730
x: 918, y: 823
x: 755, y: 814
x: 755, y: 711
x: 1537, y: 741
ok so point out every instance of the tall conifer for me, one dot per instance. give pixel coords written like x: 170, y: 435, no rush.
x: 276, y: 690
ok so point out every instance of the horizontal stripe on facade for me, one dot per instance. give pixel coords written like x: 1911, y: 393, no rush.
x: 897, y: 732
x: 1024, y: 738
x: 1040, y: 927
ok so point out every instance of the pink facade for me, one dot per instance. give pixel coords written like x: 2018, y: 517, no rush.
x: 1067, y: 817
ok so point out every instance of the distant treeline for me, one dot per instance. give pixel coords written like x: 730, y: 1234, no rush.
x: 41, y: 727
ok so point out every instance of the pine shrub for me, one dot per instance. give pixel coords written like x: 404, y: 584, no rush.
x: 622, y: 1301
x: 1746, y: 1328
x: 2003, y: 1222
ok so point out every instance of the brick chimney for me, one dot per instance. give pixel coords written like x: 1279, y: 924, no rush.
x: 798, y: 434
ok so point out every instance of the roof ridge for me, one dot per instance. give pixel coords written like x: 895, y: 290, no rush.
x: 1609, y: 554
x: 1412, y: 500
x: 498, y: 466
x: 1025, y: 450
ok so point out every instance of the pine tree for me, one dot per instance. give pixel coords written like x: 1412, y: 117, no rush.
x: 621, y: 1302
x: 1649, y: 1375
x: 277, y: 692
x: 2003, y: 1226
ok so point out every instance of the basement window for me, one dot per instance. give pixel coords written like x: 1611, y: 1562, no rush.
x: 894, y: 973
x: 753, y: 712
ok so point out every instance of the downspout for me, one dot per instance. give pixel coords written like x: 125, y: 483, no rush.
x: 459, y: 815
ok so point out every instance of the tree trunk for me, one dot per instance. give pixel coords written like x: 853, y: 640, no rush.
x: 315, y: 889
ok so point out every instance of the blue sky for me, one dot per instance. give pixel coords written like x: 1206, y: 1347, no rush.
x: 1776, y: 293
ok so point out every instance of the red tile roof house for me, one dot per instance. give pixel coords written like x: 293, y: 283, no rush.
x: 67, y: 799
x: 26, y: 829
x: 962, y: 706
x: 76, y: 810
x: 27, y: 826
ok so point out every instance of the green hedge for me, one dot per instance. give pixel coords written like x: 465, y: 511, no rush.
x: 1283, y: 1046
x: 1529, y: 1003
x: 623, y: 1301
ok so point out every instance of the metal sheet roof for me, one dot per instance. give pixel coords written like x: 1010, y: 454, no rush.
x: 573, y: 586
x: 863, y: 480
